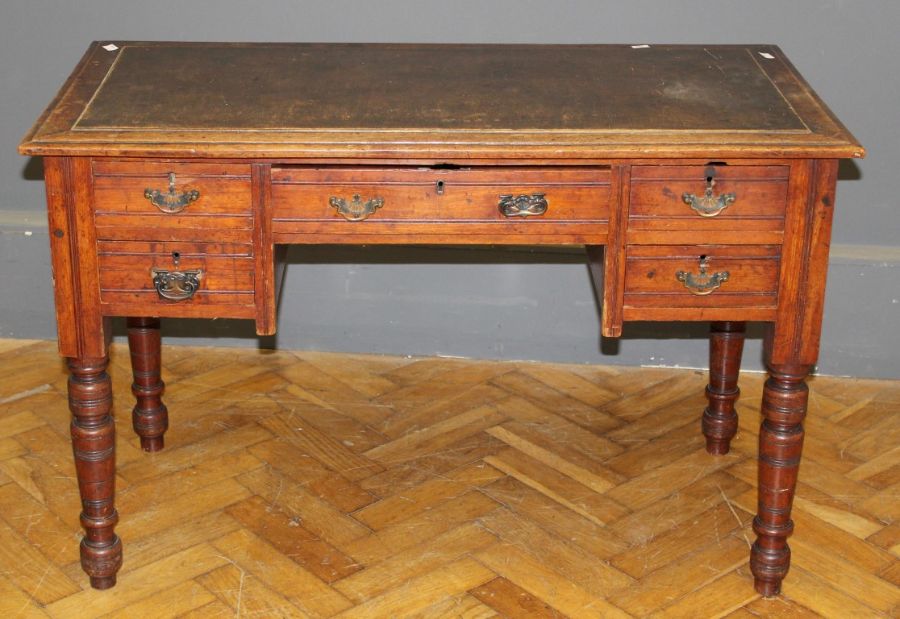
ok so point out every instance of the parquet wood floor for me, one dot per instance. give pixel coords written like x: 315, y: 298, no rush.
x: 326, y: 485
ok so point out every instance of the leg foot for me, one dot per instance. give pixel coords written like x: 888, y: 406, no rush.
x: 103, y: 583
x: 150, y: 416
x: 780, y: 444
x: 726, y: 344
x: 767, y: 589
x: 93, y: 444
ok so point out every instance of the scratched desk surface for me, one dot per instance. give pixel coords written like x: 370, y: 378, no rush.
x: 601, y: 99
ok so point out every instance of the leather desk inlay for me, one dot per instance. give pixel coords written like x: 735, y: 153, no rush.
x: 700, y: 181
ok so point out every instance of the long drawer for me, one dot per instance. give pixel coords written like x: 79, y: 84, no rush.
x: 460, y: 205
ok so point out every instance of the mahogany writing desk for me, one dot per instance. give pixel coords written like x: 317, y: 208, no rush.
x: 699, y: 179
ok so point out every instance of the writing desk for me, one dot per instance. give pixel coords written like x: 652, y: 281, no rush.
x: 699, y: 179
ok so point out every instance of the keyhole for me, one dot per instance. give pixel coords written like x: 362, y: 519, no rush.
x: 439, y: 186
x: 704, y: 262
x: 710, y: 177
x: 176, y: 257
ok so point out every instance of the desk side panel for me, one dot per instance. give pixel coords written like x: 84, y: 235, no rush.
x: 613, y: 289
x: 263, y: 249
x: 804, y: 264
x: 56, y: 178
x: 82, y: 331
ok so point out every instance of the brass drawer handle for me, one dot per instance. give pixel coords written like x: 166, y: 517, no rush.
x: 709, y: 205
x: 356, y: 209
x: 171, y: 201
x: 523, y: 205
x: 176, y: 285
x: 703, y: 283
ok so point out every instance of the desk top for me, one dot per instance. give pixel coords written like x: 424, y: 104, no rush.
x: 437, y: 101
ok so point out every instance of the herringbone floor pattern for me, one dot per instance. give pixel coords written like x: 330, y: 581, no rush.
x: 325, y: 485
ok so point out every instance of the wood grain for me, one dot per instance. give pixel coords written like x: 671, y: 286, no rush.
x: 125, y: 194
x: 263, y: 524
x: 651, y: 277
x: 441, y: 205
x: 760, y: 197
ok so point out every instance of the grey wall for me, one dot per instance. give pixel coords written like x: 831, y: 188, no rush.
x: 494, y: 303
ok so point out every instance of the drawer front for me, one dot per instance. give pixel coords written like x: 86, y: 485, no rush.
x: 675, y: 200
x: 172, y: 201
x: 701, y: 276
x: 176, y: 279
x: 471, y: 201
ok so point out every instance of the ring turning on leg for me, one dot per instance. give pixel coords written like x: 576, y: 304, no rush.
x: 93, y: 444
x: 726, y: 344
x: 780, y: 444
x: 150, y: 416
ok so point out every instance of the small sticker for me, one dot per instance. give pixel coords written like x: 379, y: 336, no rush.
x: 767, y: 55
x: 639, y: 46
x: 111, y: 47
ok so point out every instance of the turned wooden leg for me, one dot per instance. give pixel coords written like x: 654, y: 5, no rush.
x: 150, y: 416
x: 93, y: 442
x: 726, y: 344
x: 780, y: 444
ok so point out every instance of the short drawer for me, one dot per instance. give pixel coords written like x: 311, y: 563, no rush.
x: 367, y: 201
x: 674, y: 199
x: 176, y: 278
x: 701, y: 276
x: 172, y: 201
